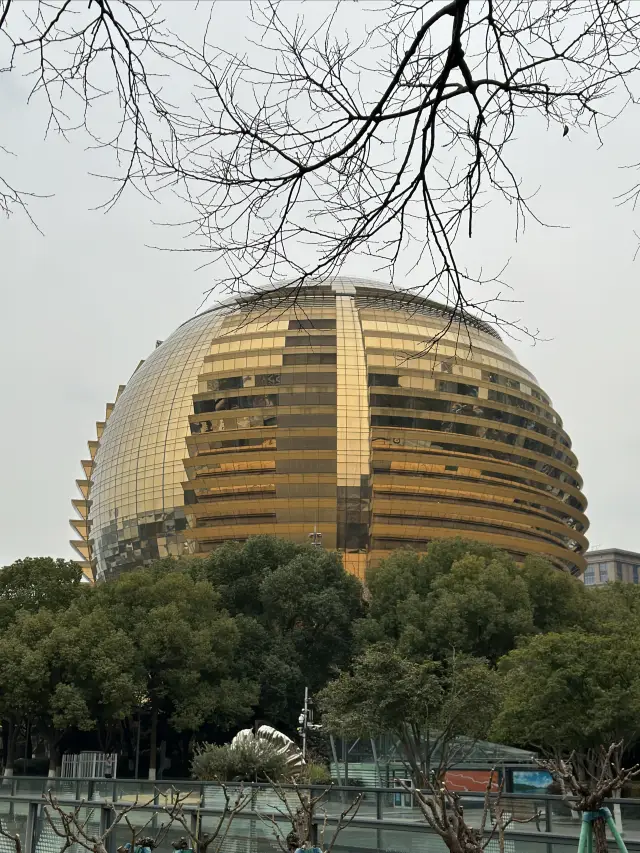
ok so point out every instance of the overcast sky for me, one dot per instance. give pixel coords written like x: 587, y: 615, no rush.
x: 85, y: 301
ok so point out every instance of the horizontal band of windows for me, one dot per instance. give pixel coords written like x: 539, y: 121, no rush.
x: 312, y: 323
x: 451, y: 407
x: 221, y: 425
x: 372, y: 305
x: 510, y: 516
x: 514, y: 505
x: 288, y: 360
x: 253, y: 401
x: 220, y: 520
x: 412, y: 446
x: 477, y: 431
x: 295, y: 442
x: 191, y: 498
x: 278, y: 466
x: 471, y: 525
x: 285, y: 420
x: 234, y: 444
x: 283, y: 515
x: 410, y: 348
x: 311, y: 341
x: 267, y: 380
x: 393, y: 380
x: 472, y: 367
x: 406, y: 461
x: 489, y: 476
x: 505, y: 527
x: 261, y: 401
x: 197, y: 481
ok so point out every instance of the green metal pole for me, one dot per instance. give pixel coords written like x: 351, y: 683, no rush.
x: 585, y: 833
x: 614, y: 831
x: 590, y: 838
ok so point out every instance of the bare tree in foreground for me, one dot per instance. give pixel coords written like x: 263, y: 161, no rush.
x: 94, y: 67
x: 319, y: 144
x: 300, y: 809
x: 356, y: 135
x: 443, y: 811
x: 586, y: 784
x: 74, y: 826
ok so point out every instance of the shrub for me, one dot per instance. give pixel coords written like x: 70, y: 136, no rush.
x: 316, y: 774
x: 250, y: 761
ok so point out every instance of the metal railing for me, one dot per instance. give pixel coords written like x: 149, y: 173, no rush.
x: 387, y: 820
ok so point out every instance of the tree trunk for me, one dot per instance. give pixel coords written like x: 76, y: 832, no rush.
x: 153, y: 745
x: 600, y: 835
x: 10, y: 748
x: 53, y: 759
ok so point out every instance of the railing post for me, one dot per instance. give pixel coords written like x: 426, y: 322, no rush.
x: 548, y: 814
x: 30, y: 831
x: 379, y: 816
x: 106, y: 819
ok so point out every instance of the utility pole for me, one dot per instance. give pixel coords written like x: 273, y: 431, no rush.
x: 305, y: 721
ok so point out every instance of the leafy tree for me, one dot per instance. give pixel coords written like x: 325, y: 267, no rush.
x: 37, y: 582
x: 185, y: 644
x: 295, y: 607
x: 557, y: 601
x: 27, y: 586
x: 48, y: 675
x: 428, y: 705
x: 611, y: 606
x: 481, y: 606
x: 468, y: 596
x: 571, y: 692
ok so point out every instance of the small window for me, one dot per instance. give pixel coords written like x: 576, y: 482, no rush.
x: 311, y: 324
x: 635, y: 574
x: 589, y: 576
x: 604, y: 573
x: 309, y: 358
x: 225, y: 383
x: 310, y: 341
x: 386, y: 379
x: 267, y: 379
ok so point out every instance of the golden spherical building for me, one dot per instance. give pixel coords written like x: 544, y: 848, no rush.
x: 346, y: 412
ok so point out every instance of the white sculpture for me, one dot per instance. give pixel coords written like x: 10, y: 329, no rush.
x: 273, y: 738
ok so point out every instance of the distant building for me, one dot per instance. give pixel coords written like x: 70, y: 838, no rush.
x: 611, y: 564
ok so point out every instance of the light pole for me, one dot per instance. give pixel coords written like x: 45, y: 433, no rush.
x: 316, y: 537
x: 303, y: 719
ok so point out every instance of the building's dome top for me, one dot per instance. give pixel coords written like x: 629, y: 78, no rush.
x: 383, y: 294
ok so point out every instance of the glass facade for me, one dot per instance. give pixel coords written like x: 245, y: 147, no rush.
x: 374, y: 418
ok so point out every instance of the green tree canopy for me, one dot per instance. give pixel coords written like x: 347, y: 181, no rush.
x: 185, y: 644
x: 571, y: 691
x: 296, y: 607
x: 467, y: 596
x: 37, y: 582
x: 63, y: 670
x: 428, y: 705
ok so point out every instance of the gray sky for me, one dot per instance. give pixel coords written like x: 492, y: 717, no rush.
x: 86, y: 301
